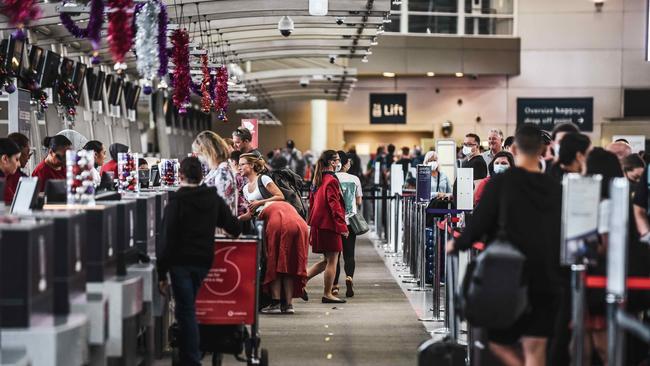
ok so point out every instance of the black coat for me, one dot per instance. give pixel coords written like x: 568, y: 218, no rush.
x: 188, y: 226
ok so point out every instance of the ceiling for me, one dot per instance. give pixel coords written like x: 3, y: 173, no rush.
x: 246, y: 33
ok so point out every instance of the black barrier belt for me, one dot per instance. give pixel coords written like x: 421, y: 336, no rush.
x: 443, y: 211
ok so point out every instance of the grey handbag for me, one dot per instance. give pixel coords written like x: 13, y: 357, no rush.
x: 358, y: 224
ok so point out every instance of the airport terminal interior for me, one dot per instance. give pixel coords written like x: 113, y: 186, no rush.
x: 324, y: 182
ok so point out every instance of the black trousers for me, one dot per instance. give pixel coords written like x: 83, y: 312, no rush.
x: 349, y: 244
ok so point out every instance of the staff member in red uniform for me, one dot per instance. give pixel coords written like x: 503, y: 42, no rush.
x: 111, y: 166
x: 11, y: 182
x: 53, y: 166
x: 327, y: 221
x: 9, y: 158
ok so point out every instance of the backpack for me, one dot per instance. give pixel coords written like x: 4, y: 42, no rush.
x: 290, y: 184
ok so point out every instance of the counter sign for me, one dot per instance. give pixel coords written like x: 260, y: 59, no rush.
x: 548, y: 112
x: 388, y: 108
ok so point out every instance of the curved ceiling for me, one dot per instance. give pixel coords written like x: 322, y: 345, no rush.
x: 245, y: 32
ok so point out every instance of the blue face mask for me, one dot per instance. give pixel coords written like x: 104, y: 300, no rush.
x: 500, y: 168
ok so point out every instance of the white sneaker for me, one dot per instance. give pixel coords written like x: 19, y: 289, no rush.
x: 288, y: 310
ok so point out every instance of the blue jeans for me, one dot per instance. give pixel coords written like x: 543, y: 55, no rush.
x: 186, y: 281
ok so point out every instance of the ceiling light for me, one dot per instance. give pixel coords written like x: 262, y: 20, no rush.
x: 318, y: 7
x: 430, y: 74
x: 599, y: 5
x: 397, y: 2
x: 459, y: 74
x: 364, y: 59
x: 389, y: 74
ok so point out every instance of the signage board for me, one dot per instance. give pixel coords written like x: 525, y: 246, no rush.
x: 465, y: 189
x: 548, y: 112
x: 580, y: 202
x: 396, y: 178
x: 227, y: 295
x: 252, y: 126
x: 637, y: 142
x: 388, y: 108
x: 423, y: 183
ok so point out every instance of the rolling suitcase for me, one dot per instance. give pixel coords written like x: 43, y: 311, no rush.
x: 441, y: 353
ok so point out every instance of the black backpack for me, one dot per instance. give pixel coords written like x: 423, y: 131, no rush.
x: 290, y: 184
x: 494, y: 292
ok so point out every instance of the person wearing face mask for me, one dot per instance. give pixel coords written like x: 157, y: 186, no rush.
x: 108, y: 171
x: 440, y: 185
x: 553, y: 149
x: 11, y: 180
x: 9, y: 161
x: 327, y: 221
x: 574, y: 148
x: 473, y: 158
x: 633, y: 167
x: 352, y: 193
x: 212, y: 150
x: 502, y: 161
x: 53, y: 166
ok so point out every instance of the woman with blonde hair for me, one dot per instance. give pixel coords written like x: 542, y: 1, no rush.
x: 212, y: 150
x: 260, y: 188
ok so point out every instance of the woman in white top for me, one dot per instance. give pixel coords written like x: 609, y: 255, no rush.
x: 440, y: 185
x: 253, y: 167
x: 212, y: 150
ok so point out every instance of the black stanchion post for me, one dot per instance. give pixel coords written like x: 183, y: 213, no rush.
x: 578, y: 288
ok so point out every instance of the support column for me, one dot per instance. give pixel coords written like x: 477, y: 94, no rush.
x: 318, y: 126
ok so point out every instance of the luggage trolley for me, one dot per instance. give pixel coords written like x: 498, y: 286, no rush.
x: 227, y: 303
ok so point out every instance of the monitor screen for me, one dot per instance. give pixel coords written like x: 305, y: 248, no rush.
x: 79, y: 75
x: 35, y: 60
x: 56, y: 191
x: 115, y: 94
x: 67, y: 69
x: 12, y: 50
x: 25, y: 196
x: 99, y: 86
x: 48, y: 71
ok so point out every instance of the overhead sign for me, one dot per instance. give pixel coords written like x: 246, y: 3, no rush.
x: 252, y: 126
x: 227, y: 295
x: 388, y: 108
x: 548, y: 112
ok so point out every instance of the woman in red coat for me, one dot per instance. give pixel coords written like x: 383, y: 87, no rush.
x: 327, y: 221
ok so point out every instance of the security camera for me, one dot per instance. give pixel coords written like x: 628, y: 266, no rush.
x: 340, y: 20
x: 285, y: 26
x: 332, y: 59
x: 304, y: 82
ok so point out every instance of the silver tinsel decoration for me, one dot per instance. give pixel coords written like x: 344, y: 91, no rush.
x: 146, y: 41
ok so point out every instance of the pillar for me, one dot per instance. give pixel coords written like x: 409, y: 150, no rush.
x: 318, y: 126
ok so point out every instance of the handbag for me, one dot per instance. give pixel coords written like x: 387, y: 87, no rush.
x: 494, y: 291
x: 358, y: 224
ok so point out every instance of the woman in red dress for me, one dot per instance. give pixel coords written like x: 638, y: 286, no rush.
x: 327, y: 221
x: 287, y: 247
x: 53, y: 166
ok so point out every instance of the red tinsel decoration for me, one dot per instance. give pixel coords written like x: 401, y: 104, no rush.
x: 181, y: 58
x: 120, y: 32
x: 206, y: 100
x: 221, y: 92
x: 20, y: 12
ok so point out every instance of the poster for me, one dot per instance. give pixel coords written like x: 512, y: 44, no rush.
x: 227, y: 295
x: 423, y: 183
x: 252, y: 126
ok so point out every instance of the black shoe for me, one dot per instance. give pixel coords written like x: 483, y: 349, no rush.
x: 349, y: 291
x: 326, y: 300
x: 304, y: 295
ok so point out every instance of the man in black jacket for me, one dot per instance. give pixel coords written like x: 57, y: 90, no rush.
x: 532, y: 205
x: 187, y: 249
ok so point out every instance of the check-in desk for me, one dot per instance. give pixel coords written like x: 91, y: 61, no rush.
x: 27, y: 317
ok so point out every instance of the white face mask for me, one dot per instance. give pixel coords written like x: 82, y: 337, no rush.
x: 556, y: 150
x: 500, y: 168
x: 433, y: 165
x: 338, y: 167
x: 467, y: 150
x: 202, y: 159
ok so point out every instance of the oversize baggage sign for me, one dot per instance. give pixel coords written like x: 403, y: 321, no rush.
x: 227, y: 295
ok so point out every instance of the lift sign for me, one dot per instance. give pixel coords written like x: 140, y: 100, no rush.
x: 388, y: 108
x: 227, y: 295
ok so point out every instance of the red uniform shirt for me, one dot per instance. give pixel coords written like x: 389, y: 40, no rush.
x: 110, y: 167
x: 11, y: 183
x: 45, y: 172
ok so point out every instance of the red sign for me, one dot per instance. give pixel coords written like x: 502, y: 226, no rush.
x: 227, y: 295
x: 252, y: 126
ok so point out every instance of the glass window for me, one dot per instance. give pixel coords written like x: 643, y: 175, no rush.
x: 488, y: 26
x: 394, y: 25
x: 443, y: 6
x: 432, y: 24
x: 489, y: 6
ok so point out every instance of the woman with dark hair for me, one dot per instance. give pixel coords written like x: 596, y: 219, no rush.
x: 572, y: 157
x: 110, y: 168
x: 53, y: 166
x: 11, y: 181
x: 501, y: 162
x: 9, y: 157
x: 327, y: 221
x: 633, y: 167
x: 100, y: 154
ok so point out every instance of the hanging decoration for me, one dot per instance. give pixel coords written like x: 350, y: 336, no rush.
x: 120, y: 32
x: 5, y: 80
x: 93, y: 31
x: 206, y: 100
x: 146, y: 42
x: 221, y: 91
x: 68, y: 101
x: 181, y: 58
x: 162, y: 41
x: 20, y: 14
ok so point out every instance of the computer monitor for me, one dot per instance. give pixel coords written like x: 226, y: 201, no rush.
x: 12, y: 50
x: 143, y: 177
x: 25, y: 196
x: 67, y: 69
x: 154, y: 176
x: 99, y: 86
x: 132, y: 97
x: 48, y: 70
x: 115, y: 93
x: 36, y: 58
x: 79, y: 75
x: 56, y: 191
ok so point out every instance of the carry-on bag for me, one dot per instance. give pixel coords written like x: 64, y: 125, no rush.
x: 358, y: 224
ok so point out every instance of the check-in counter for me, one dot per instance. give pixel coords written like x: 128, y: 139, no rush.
x: 145, y: 232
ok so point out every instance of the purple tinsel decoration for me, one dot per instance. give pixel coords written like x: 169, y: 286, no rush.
x: 162, y: 40
x: 194, y: 87
x: 93, y: 31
